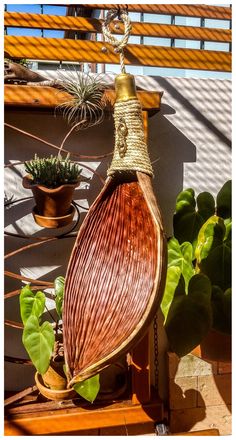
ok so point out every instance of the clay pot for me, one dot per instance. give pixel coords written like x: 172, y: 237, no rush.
x: 54, y: 377
x: 51, y: 202
x: 53, y: 222
x: 50, y: 394
x: 216, y: 346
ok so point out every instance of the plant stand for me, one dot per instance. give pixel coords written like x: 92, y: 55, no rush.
x: 140, y: 409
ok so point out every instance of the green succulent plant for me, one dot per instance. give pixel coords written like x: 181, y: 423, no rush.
x: 52, y: 171
x: 197, y: 295
x: 40, y: 336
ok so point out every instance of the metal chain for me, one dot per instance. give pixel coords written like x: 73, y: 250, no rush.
x: 156, y: 361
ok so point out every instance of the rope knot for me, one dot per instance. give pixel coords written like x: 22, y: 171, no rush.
x: 119, y: 45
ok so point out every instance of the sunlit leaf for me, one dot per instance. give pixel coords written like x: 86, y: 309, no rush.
x: 31, y: 303
x: 59, y: 284
x: 39, y: 342
x: 89, y: 388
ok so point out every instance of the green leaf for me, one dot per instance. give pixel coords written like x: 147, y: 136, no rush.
x: 187, y: 220
x: 89, y: 388
x: 59, y: 284
x: 223, y: 200
x: 222, y: 310
x: 31, y: 303
x: 172, y: 281
x: 39, y: 342
x: 185, y: 201
x: 190, y: 316
x: 213, y: 252
x: 206, y: 205
x: 181, y: 256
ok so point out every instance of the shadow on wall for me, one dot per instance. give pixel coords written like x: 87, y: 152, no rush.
x: 198, y: 392
x: 220, y: 98
x: 169, y: 150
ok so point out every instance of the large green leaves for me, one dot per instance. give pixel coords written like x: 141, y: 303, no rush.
x: 39, y: 342
x: 179, y: 272
x: 172, y: 281
x: 31, y: 303
x: 223, y: 200
x: 181, y: 256
x: 221, y: 307
x: 213, y: 252
x: 190, y: 316
x: 59, y: 284
x: 187, y: 220
x: 89, y: 388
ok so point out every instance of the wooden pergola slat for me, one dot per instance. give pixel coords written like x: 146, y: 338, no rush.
x: 82, y: 24
x: 47, y: 97
x: 202, y: 11
x: 93, y: 52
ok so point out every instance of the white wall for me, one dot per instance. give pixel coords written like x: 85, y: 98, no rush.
x: 189, y: 140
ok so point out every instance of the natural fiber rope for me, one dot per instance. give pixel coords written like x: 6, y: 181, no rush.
x: 109, y: 38
x: 131, y: 153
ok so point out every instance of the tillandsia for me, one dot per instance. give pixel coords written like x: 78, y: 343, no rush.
x: 53, y: 171
x: 87, y: 98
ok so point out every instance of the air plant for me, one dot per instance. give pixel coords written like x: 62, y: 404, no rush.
x: 87, y: 102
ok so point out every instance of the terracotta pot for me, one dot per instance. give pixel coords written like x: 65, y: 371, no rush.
x: 53, y: 394
x: 53, y: 222
x: 51, y: 202
x: 216, y: 346
x: 54, y: 377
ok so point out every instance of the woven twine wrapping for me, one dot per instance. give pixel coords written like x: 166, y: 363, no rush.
x: 131, y: 153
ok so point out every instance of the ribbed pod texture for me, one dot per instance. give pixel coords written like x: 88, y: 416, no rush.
x: 110, y: 277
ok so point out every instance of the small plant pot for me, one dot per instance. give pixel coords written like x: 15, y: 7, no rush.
x: 216, y: 346
x: 50, y: 394
x: 54, y: 377
x: 51, y: 202
x: 53, y: 222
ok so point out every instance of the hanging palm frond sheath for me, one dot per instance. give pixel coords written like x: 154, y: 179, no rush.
x: 116, y: 273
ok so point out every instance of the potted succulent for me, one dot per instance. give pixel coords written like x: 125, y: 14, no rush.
x: 52, y: 181
x: 197, y: 298
x: 43, y: 341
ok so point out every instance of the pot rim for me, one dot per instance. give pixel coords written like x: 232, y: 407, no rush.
x: 27, y: 183
x: 62, y: 217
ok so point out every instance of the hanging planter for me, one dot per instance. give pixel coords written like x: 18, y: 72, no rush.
x: 52, y: 181
x: 116, y: 273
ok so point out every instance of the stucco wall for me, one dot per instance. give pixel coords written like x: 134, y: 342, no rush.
x: 189, y: 143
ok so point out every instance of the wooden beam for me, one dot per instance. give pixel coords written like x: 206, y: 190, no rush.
x: 202, y: 11
x: 96, y: 52
x: 140, y: 368
x: 48, y: 97
x: 77, y: 419
x: 82, y: 24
